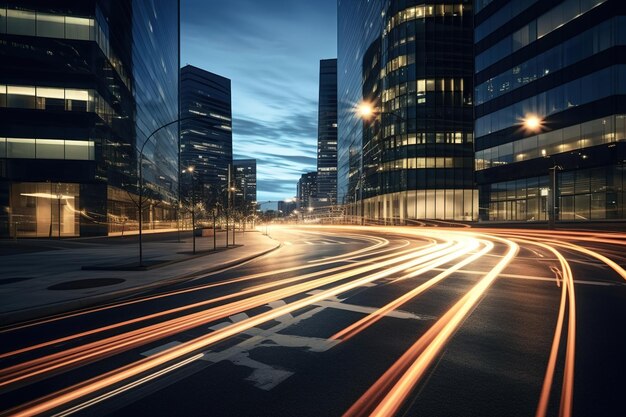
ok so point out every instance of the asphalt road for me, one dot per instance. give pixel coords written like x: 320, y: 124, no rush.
x: 348, y: 321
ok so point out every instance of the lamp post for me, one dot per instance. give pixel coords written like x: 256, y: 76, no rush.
x: 190, y: 170
x: 143, y: 145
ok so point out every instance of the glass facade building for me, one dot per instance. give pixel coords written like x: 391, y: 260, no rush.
x: 245, y: 185
x: 307, y: 190
x: 551, y: 109
x: 83, y: 84
x: 327, y: 135
x: 359, y: 24
x: 206, y: 132
x: 413, y: 159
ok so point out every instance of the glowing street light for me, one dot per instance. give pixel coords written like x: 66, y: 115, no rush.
x: 533, y: 123
x: 365, y: 110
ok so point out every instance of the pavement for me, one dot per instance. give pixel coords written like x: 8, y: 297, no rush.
x: 45, y: 277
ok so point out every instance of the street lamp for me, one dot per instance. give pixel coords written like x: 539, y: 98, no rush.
x: 140, y: 204
x: 532, y: 123
x: 190, y: 170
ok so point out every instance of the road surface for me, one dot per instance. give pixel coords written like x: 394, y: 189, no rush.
x: 349, y: 321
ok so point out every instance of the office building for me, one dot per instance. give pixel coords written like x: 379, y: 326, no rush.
x: 307, y: 190
x: 206, y: 134
x: 327, y: 135
x: 84, y: 84
x: 244, y: 177
x: 287, y: 207
x: 411, y: 66
x: 550, y: 109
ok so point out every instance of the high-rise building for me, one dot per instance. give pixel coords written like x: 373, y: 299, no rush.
x: 359, y: 23
x: 327, y: 135
x: 244, y: 177
x: 206, y: 133
x: 84, y: 84
x: 307, y: 190
x: 412, y: 65
x: 551, y: 109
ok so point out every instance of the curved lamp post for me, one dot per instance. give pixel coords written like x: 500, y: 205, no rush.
x: 143, y: 145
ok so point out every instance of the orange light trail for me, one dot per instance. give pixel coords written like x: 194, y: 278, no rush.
x: 390, y: 391
x: 109, y: 379
x: 100, y: 349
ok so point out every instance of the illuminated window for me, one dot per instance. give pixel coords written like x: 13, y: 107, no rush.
x: 50, y: 98
x: 3, y: 20
x: 78, y: 28
x: 49, y: 25
x: 20, y: 148
x: 50, y: 149
x: 21, y: 97
x: 21, y: 22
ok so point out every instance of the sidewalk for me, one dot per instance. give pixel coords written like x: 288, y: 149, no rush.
x: 39, y: 278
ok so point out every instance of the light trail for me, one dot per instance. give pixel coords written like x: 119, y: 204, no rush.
x: 390, y: 391
x: 80, y: 355
x: 351, y: 255
x: 394, y: 387
x: 68, y: 395
x: 357, y: 327
x: 568, y: 301
x: 164, y: 313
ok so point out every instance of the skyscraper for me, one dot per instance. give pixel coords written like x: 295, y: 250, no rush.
x: 414, y: 71
x: 550, y: 109
x: 327, y: 134
x: 307, y: 190
x: 244, y: 176
x: 84, y: 84
x: 359, y: 23
x: 206, y: 133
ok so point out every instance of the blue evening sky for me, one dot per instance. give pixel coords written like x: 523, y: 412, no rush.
x: 270, y: 49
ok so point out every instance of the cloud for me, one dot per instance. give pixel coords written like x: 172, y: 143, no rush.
x: 270, y: 50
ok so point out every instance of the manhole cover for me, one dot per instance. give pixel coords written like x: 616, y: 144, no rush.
x: 86, y: 283
x: 5, y: 281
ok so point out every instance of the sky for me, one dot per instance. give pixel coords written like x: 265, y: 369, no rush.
x: 270, y: 49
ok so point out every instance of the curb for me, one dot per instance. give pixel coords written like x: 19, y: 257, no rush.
x: 21, y: 317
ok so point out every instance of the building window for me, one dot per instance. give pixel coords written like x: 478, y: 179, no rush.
x: 21, y: 148
x: 51, y: 26
x: 3, y: 20
x: 50, y: 149
x: 21, y: 97
x: 77, y: 149
x: 50, y: 98
x: 21, y: 22
x: 78, y: 28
